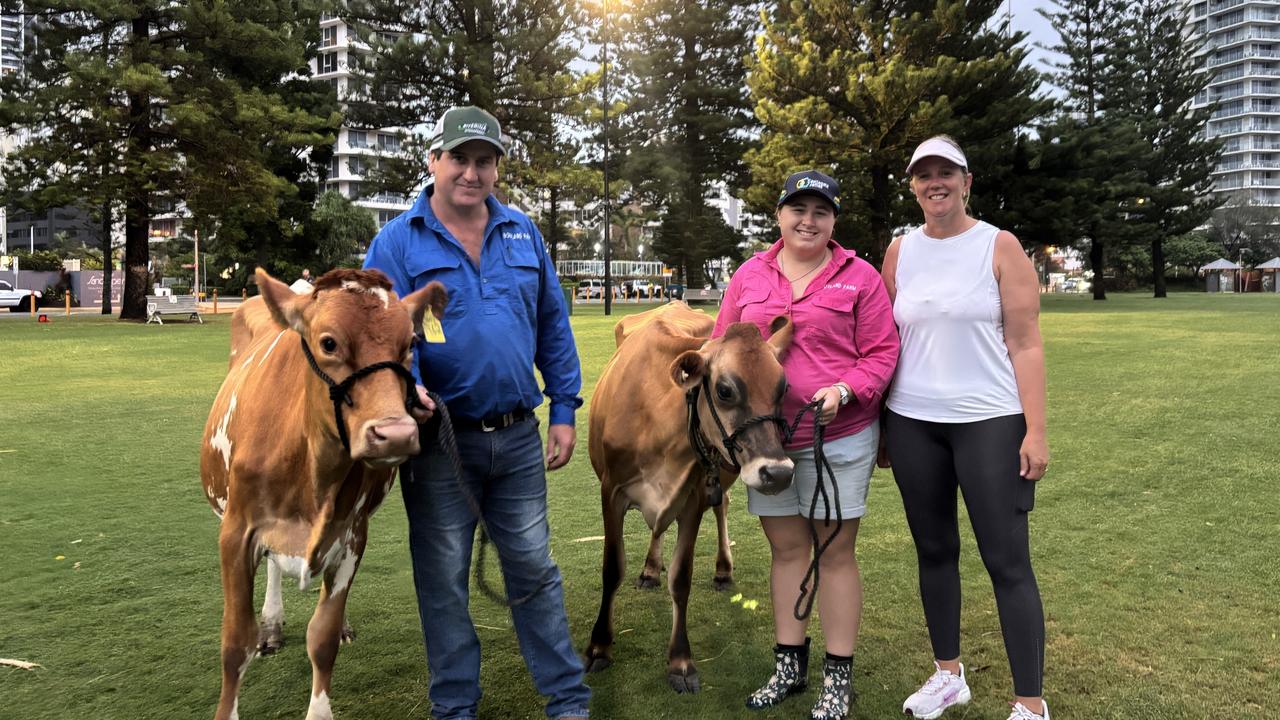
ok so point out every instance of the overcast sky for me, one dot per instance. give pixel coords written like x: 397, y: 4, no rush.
x: 1025, y: 19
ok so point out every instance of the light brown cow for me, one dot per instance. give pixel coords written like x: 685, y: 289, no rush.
x: 291, y: 476
x: 641, y: 451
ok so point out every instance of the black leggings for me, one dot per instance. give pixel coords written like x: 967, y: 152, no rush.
x: 930, y: 460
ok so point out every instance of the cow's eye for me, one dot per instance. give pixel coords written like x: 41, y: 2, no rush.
x: 328, y: 344
x: 724, y: 392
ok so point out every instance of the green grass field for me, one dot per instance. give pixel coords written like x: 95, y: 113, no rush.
x: 1155, y: 540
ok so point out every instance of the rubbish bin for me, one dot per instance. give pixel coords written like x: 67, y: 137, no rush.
x: 568, y: 299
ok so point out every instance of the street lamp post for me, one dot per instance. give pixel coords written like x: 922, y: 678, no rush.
x: 604, y: 81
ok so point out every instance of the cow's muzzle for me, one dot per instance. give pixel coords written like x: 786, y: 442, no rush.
x: 389, y: 441
x: 768, y: 476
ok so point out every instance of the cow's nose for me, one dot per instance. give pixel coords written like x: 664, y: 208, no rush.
x: 392, y: 436
x: 776, y: 477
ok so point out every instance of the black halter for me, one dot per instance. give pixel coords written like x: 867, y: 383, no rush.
x: 707, y: 455
x: 340, y: 392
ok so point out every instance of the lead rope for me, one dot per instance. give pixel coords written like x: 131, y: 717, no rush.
x: 804, y: 603
x: 449, y: 443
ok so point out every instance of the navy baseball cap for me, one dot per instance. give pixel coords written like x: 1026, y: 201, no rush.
x: 811, y: 182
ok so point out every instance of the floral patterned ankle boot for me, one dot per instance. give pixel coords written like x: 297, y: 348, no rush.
x: 836, y: 695
x: 790, y: 676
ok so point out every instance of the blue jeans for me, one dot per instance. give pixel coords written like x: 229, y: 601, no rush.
x: 505, y: 476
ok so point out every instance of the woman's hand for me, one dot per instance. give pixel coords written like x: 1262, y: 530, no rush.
x: 830, y: 397
x: 1035, y: 456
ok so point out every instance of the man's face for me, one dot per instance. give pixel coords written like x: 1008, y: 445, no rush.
x: 465, y: 175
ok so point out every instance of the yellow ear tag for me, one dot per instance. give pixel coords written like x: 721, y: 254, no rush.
x: 432, y: 330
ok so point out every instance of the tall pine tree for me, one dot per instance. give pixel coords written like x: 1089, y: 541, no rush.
x: 179, y: 101
x: 1157, y: 77
x: 511, y: 57
x: 1107, y: 152
x: 687, y: 120
x: 851, y: 88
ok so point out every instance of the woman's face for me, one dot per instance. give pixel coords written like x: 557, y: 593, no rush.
x: 940, y: 186
x: 806, y: 222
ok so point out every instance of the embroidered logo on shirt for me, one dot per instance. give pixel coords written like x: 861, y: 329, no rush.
x: 841, y: 286
x: 516, y: 235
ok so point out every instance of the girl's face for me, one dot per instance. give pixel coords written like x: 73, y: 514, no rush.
x: 940, y: 186
x: 806, y: 222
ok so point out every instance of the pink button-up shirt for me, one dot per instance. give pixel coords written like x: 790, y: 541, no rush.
x: 844, y: 331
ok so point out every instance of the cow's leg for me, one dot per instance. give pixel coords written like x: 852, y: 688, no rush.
x: 271, y: 623
x: 324, y: 632
x: 651, y: 575
x: 681, y: 673
x: 724, y: 556
x: 599, y: 654
x: 239, y: 560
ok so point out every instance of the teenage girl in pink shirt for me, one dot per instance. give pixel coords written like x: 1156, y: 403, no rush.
x: 844, y: 353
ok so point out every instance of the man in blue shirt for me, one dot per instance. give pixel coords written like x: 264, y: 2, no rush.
x: 506, y: 314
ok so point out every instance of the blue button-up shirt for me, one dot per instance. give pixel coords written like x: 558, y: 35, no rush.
x: 504, y: 316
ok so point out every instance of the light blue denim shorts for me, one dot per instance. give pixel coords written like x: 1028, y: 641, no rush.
x: 852, y: 459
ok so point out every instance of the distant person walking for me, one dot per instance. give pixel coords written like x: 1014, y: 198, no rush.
x: 967, y: 410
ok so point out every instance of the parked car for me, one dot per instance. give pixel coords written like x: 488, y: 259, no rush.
x: 641, y: 287
x: 18, y: 300
x: 588, y: 289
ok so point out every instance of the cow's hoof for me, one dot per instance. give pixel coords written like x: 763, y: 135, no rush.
x: 722, y: 582
x: 270, y: 639
x: 595, y: 662
x: 347, y: 636
x: 648, y: 582
x: 684, y: 682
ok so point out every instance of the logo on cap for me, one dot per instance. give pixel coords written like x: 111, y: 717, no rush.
x: 810, y: 183
x: 474, y: 128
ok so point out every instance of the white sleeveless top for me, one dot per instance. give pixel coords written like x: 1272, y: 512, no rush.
x: 954, y: 365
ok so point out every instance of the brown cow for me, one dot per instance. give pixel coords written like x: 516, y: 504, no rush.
x: 641, y: 450
x: 292, y: 476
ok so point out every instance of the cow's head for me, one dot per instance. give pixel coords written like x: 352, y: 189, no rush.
x: 745, y: 381
x: 350, y: 321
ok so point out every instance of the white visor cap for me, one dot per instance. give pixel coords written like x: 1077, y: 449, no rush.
x: 937, y: 147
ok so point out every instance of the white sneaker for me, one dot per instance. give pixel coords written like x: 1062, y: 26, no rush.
x: 940, y: 692
x: 1020, y: 712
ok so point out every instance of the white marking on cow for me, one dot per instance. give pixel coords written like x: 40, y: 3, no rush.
x: 360, y: 501
x: 248, y: 360
x: 272, y: 605
x: 267, y: 354
x: 235, y: 709
x: 378, y: 292
x: 319, y: 708
x: 346, y: 570
x: 222, y: 507
x: 295, y: 567
x: 220, y: 441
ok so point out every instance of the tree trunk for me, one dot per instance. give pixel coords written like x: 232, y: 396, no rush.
x: 1157, y: 267
x: 137, y: 208
x: 878, y: 215
x: 106, y: 258
x: 1097, y: 258
x: 554, y: 227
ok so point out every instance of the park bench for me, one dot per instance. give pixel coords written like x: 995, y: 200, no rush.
x: 158, y: 305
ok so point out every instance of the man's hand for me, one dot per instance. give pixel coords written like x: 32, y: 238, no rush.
x: 560, y: 442
x: 423, y: 414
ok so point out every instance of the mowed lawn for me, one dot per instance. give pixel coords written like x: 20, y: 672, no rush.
x: 1155, y: 536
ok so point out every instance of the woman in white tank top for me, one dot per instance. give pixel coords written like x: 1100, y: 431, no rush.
x: 966, y: 412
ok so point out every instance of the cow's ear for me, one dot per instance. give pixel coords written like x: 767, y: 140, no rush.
x: 687, y: 369
x: 285, y: 305
x: 433, y: 296
x: 781, y: 331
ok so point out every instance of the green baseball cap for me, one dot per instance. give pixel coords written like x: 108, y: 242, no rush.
x: 459, y: 125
